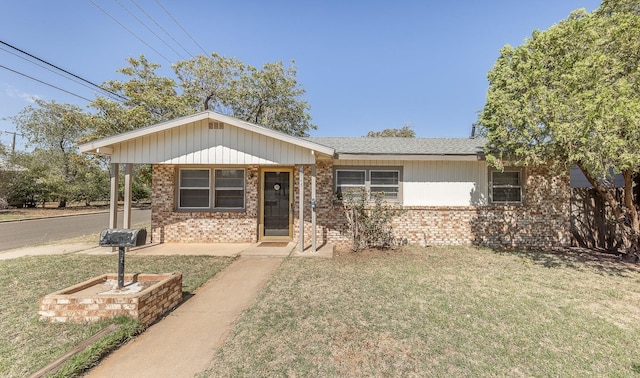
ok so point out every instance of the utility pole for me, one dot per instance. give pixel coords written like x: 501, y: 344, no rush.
x: 13, y: 140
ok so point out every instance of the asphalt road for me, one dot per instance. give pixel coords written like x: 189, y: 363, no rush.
x: 30, y: 232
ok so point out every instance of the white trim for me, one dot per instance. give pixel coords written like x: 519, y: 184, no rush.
x: 520, y: 186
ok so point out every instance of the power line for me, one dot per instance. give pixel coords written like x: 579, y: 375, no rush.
x: 149, y: 29
x: 161, y: 28
x: 62, y: 69
x: 61, y: 75
x: 130, y: 32
x: 183, y: 29
x: 45, y: 83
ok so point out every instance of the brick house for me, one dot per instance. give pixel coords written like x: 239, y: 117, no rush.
x: 219, y: 179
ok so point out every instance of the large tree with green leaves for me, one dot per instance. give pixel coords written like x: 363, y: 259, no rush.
x: 570, y: 95
x: 53, y: 130
x: 144, y: 99
x: 270, y: 96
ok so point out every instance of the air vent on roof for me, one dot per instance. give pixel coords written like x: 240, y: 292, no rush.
x: 216, y: 125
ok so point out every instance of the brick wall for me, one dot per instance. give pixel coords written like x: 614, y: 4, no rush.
x: 170, y: 225
x: 543, y: 221
x: 71, y: 305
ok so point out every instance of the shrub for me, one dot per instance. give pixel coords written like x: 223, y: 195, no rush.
x: 369, y: 219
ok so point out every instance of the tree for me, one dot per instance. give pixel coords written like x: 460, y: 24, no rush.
x: 270, y: 96
x: 54, y: 130
x: 148, y: 99
x: 570, y: 95
x: 405, y: 132
x: 210, y: 82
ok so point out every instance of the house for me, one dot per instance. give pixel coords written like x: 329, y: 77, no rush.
x: 219, y: 179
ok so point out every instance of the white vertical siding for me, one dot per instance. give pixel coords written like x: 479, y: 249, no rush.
x: 437, y: 183
x: 195, y: 143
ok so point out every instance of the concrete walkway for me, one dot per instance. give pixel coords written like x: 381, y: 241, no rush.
x: 183, y: 343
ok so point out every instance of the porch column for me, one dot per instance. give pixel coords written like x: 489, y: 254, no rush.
x: 301, y: 208
x: 128, y: 185
x: 113, y: 200
x: 313, y: 208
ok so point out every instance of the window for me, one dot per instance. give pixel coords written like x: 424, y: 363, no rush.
x: 506, y: 186
x: 194, y: 188
x: 387, y: 182
x: 198, y: 190
x: 229, y: 188
x: 373, y: 180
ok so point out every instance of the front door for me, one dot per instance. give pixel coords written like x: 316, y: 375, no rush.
x: 277, y: 199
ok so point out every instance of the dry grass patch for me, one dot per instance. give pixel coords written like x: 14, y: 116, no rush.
x: 441, y: 312
x: 26, y: 344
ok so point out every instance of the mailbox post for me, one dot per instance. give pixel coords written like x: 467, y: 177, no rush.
x: 122, y: 238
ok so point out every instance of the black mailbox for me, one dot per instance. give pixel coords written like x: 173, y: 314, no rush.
x: 123, y: 237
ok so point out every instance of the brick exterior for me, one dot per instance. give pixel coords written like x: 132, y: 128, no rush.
x: 171, y: 225
x: 542, y: 221
x: 70, y: 305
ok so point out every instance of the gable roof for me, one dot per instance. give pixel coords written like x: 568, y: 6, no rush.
x: 415, y: 148
x: 105, y: 144
x: 207, y: 138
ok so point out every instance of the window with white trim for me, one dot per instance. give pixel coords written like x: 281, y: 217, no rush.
x: 373, y: 180
x: 198, y: 189
x: 506, y: 187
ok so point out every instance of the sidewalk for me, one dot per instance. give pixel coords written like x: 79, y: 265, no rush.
x: 183, y: 343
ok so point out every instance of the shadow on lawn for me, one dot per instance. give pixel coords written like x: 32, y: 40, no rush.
x: 606, y: 263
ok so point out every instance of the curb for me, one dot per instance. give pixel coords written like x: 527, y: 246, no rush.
x: 66, y: 215
x: 53, y: 216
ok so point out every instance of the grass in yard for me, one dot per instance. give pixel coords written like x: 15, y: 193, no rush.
x: 26, y: 344
x: 441, y: 312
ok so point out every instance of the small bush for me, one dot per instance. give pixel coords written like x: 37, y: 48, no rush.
x: 369, y: 219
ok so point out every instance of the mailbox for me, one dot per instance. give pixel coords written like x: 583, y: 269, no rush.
x: 122, y: 238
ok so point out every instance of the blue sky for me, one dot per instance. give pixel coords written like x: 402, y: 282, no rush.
x: 366, y: 65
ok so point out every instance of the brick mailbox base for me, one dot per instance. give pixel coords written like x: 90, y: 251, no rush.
x: 83, y: 303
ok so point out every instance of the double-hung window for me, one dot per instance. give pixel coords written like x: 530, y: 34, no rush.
x: 194, y: 189
x: 229, y: 188
x: 387, y: 182
x: 506, y: 186
x: 373, y: 180
x: 211, y: 189
x: 350, y: 182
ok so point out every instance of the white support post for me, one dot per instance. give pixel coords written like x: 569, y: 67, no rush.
x: 128, y: 185
x: 113, y: 201
x: 301, y: 208
x: 313, y: 208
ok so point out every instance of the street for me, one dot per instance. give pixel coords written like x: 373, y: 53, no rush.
x: 29, y: 232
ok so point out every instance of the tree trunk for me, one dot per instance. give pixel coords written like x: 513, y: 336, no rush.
x: 626, y: 213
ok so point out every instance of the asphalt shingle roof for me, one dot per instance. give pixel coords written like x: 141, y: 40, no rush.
x: 402, y: 146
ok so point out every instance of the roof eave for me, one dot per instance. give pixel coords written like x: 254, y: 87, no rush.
x: 421, y: 157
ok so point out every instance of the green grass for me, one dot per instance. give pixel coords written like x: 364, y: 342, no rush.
x: 27, y: 344
x: 441, y: 312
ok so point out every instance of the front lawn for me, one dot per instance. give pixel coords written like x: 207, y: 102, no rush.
x: 441, y: 312
x: 26, y: 344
